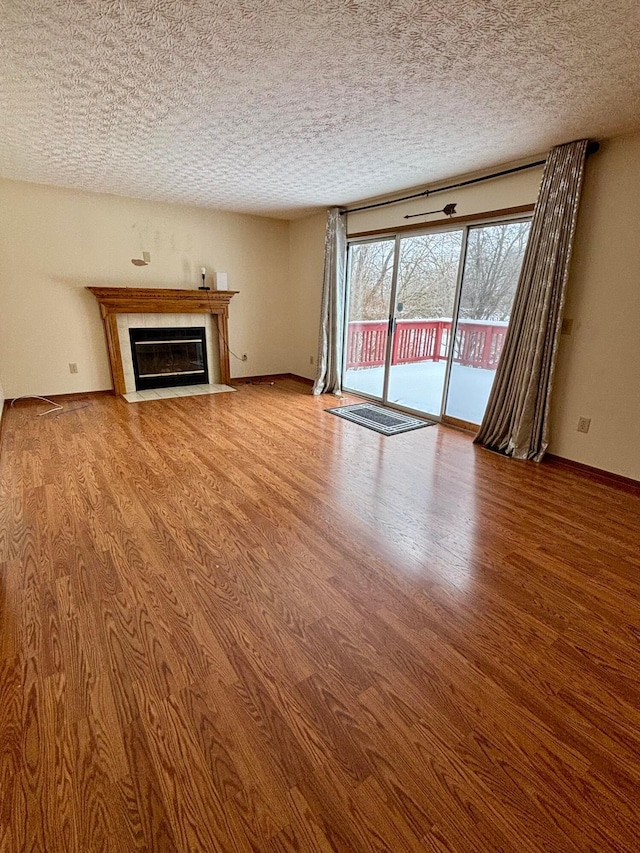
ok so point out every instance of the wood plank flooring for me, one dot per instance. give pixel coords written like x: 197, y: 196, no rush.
x: 236, y: 623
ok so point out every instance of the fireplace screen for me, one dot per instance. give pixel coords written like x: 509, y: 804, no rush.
x: 166, y: 357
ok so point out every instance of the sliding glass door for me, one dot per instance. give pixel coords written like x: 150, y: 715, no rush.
x: 427, y: 315
x: 424, y: 301
x: 370, y: 276
x: 492, y: 265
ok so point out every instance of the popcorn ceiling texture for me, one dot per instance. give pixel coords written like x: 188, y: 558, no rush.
x: 276, y: 107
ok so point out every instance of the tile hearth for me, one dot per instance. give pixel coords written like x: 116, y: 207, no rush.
x: 179, y: 391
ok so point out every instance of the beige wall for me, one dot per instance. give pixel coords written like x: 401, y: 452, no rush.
x: 599, y: 364
x: 54, y: 242
x: 509, y: 191
x: 306, y: 264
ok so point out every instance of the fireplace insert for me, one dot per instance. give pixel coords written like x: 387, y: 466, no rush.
x: 164, y: 358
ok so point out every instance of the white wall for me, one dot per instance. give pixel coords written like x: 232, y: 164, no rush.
x: 54, y: 242
x: 598, y: 372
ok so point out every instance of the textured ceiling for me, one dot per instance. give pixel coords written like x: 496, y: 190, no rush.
x: 278, y: 106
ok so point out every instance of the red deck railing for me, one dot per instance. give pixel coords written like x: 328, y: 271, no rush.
x: 478, y: 342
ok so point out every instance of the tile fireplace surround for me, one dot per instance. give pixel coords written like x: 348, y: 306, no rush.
x: 164, y: 321
x: 124, y: 307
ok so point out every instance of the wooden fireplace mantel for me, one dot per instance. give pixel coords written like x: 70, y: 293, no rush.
x: 160, y: 300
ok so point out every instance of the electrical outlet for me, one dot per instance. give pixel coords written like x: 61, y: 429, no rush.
x: 244, y: 356
x: 584, y: 424
x: 567, y: 326
x: 310, y: 359
x: 146, y: 257
x: 73, y: 367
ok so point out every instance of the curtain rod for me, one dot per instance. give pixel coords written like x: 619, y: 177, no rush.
x: 591, y: 149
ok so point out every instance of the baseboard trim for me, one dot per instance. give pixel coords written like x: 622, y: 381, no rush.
x: 598, y: 475
x: 2, y: 418
x: 269, y: 377
x: 73, y: 395
x: 458, y: 423
x: 303, y: 379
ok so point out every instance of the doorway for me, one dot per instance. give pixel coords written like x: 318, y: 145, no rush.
x: 427, y: 315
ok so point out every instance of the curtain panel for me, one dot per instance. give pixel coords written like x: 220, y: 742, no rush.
x: 330, y: 347
x: 516, y: 420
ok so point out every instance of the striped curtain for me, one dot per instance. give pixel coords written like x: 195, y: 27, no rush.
x: 516, y: 420
x: 330, y: 347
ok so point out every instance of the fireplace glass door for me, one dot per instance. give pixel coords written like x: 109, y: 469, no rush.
x: 167, y: 357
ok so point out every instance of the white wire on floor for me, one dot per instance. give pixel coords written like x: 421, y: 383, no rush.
x: 56, y: 406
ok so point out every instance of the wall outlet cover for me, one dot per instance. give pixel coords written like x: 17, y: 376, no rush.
x: 584, y: 424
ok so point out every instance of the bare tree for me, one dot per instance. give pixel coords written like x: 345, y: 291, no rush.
x: 428, y: 269
x: 371, y: 270
x: 427, y: 272
x: 492, y: 267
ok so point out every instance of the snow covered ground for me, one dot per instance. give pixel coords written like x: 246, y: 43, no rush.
x: 419, y: 386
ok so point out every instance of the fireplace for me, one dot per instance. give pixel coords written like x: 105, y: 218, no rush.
x: 167, y: 357
x: 120, y: 308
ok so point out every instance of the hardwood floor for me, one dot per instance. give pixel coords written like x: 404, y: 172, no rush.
x: 236, y: 623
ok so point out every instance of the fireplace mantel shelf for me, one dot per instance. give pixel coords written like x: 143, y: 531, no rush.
x: 160, y: 300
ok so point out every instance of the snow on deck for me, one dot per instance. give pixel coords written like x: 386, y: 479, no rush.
x: 419, y: 386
